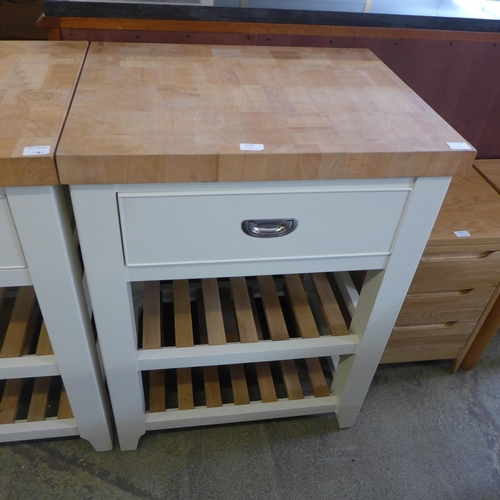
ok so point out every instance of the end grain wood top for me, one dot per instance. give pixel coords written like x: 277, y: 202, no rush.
x: 37, y: 80
x: 179, y: 113
x: 471, y: 205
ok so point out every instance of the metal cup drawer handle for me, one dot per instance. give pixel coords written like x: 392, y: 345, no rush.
x: 269, y: 228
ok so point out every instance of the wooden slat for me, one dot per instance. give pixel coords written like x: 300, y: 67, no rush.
x: 65, y: 410
x: 291, y: 378
x: 183, y: 338
x: 157, y: 395
x: 228, y: 316
x: 44, y: 347
x: 213, y: 312
x: 317, y: 378
x: 21, y: 322
x: 237, y: 372
x: 266, y: 383
x: 182, y: 313
x: 151, y: 339
x: 329, y: 305
x: 300, y: 306
x: 272, y: 307
x: 307, y: 329
x: 243, y: 309
x: 264, y: 375
x: 39, y: 400
x: 239, y: 384
x: 3, y: 292
x: 278, y: 331
x: 212, y: 386
x: 210, y: 373
x: 10, y: 400
x: 185, y: 389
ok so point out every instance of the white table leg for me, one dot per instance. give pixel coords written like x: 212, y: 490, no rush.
x: 382, y: 296
x: 99, y: 229
x: 45, y: 235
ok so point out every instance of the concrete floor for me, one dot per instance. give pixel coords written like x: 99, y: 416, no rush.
x: 422, y: 434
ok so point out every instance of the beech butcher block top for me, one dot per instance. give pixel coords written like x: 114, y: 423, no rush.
x: 469, y: 214
x: 37, y: 80
x: 189, y: 113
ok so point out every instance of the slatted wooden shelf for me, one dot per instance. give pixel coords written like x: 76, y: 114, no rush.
x: 233, y: 349
x: 25, y: 349
x: 202, y: 395
x: 210, y: 321
x: 33, y: 402
x: 33, y: 408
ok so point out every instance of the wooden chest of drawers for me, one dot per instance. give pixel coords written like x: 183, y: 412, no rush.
x: 457, y: 280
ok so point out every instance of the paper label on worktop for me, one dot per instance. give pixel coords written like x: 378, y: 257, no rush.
x: 458, y: 145
x: 461, y: 234
x: 36, y: 150
x: 252, y: 147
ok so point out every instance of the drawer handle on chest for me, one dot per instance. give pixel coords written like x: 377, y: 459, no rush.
x: 269, y: 228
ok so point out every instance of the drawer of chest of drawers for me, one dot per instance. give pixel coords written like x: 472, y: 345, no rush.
x: 437, y: 341
x: 457, y: 270
x: 11, y: 254
x: 444, y: 306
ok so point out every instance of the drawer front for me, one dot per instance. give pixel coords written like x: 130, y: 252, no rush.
x: 203, y: 227
x: 11, y: 254
x: 426, y: 342
x: 444, y: 307
x: 456, y: 271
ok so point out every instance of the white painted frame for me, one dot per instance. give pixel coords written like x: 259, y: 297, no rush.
x: 97, y: 215
x: 41, y: 220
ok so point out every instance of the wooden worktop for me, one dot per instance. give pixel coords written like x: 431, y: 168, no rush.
x: 37, y: 80
x: 471, y: 205
x: 179, y: 113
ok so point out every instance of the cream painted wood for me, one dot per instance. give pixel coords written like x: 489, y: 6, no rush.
x: 29, y: 366
x: 41, y: 221
x: 21, y: 431
x: 382, y: 296
x: 11, y: 254
x: 110, y: 293
x: 100, y: 239
x: 210, y: 233
x: 227, y: 414
x: 235, y: 352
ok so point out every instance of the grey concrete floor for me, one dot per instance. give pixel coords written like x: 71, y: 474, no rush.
x: 422, y: 434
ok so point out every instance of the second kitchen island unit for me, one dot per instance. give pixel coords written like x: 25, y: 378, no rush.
x: 221, y: 196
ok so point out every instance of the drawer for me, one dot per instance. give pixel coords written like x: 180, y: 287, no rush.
x: 426, y: 342
x: 443, y: 307
x: 11, y: 254
x: 456, y: 271
x: 206, y: 226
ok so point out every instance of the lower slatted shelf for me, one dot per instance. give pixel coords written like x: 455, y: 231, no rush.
x: 229, y: 393
x: 33, y: 408
x: 25, y: 349
x: 33, y: 402
x: 226, y: 350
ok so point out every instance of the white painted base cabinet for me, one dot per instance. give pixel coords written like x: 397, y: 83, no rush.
x: 186, y: 301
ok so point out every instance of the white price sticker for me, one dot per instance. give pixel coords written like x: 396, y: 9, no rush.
x: 458, y: 145
x: 36, y: 150
x: 252, y: 147
x: 461, y: 234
